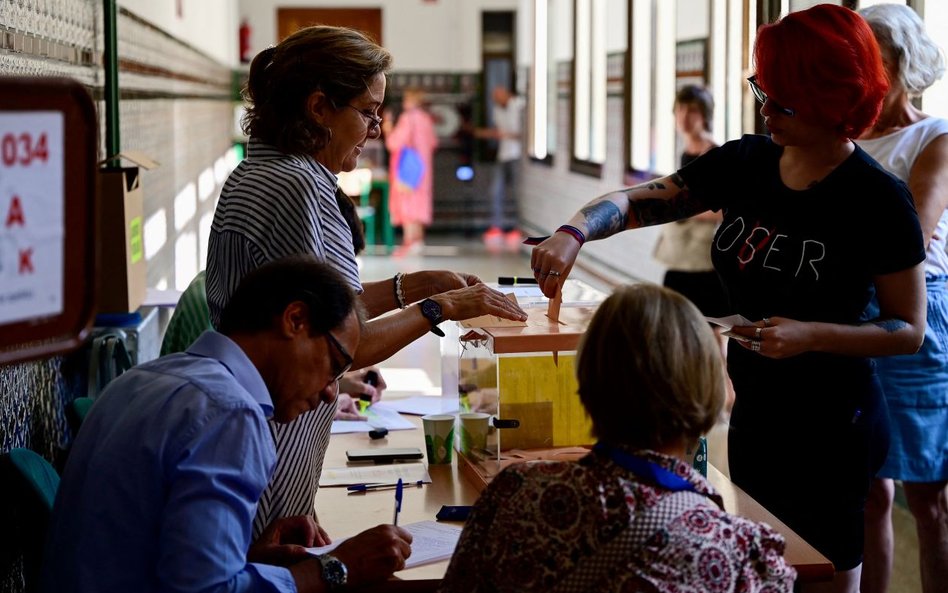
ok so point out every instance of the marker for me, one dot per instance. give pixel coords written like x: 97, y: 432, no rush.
x: 366, y: 487
x: 511, y: 280
x: 398, y: 502
x: 364, y: 401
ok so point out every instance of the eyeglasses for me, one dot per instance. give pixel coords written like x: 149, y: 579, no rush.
x: 338, y: 369
x: 372, y: 121
x: 762, y: 97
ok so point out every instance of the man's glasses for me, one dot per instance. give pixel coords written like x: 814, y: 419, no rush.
x: 338, y: 369
x: 762, y: 97
x: 372, y: 121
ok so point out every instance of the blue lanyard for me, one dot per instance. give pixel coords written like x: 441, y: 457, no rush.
x: 645, y: 468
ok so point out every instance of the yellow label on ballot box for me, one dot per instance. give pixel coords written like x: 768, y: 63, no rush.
x: 543, y: 396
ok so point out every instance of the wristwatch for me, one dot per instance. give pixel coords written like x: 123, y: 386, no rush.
x: 432, y: 312
x: 335, y: 573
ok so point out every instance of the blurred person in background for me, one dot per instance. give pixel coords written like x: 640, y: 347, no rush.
x: 410, y: 201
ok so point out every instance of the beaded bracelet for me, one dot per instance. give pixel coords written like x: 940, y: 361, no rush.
x: 573, y: 232
x: 399, y: 292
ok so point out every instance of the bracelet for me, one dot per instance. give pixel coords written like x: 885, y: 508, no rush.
x: 573, y: 232
x: 399, y: 292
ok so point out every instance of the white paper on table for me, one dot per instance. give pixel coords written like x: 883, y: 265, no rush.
x: 431, y: 542
x: 377, y: 418
x: 731, y: 321
x: 410, y: 473
x: 419, y: 405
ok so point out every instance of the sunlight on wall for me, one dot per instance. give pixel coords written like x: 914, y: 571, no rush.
x: 156, y: 233
x: 185, y: 206
x: 185, y: 260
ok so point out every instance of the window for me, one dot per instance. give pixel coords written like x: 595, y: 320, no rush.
x: 589, y: 86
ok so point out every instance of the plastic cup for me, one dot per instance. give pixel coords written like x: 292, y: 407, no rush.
x: 474, y: 431
x: 439, y: 437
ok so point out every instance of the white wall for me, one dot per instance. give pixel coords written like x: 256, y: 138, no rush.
x: 423, y: 36
x: 208, y: 25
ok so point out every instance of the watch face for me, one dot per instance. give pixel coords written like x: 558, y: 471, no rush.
x: 334, y: 571
x: 432, y: 311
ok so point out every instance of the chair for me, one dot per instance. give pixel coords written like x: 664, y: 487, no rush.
x: 31, y: 483
x: 190, y: 319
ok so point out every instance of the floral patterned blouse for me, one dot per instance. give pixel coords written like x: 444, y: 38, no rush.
x: 542, y: 526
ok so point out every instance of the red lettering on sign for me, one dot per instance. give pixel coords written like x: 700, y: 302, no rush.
x: 15, y: 214
x: 20, y: 149
x: 26, y: 261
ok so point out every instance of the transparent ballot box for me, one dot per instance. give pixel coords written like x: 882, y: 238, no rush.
x: 524, y: 378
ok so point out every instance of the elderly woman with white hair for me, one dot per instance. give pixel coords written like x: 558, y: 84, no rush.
x: 914, y: 147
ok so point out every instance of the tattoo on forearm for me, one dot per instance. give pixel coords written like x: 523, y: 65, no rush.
x: 650, y: 211
x: 603, y: 219
x: 890, y: 325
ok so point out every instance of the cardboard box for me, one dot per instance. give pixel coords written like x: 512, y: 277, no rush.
x: 121, y: 244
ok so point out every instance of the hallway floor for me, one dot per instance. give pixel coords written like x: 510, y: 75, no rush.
x: 465, y: 255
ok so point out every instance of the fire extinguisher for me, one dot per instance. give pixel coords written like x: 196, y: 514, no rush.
x: 244, y: 42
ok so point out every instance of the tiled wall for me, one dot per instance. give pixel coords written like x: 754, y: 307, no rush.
x: 551, y: 194
x: 175, y: 106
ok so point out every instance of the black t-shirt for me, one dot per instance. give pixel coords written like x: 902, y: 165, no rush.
x: 808, y: 255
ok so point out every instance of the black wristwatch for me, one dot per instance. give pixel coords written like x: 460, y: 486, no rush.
x: 432, y: 312
x: 335, y: 573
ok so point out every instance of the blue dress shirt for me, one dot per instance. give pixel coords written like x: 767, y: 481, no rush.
x: 162, y: 482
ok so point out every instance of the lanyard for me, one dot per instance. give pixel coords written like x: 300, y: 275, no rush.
x: 645, y: 468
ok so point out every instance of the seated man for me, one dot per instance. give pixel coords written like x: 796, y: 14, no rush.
x: 163, y: 480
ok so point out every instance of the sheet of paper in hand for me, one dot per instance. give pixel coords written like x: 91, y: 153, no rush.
x: 731, y: 321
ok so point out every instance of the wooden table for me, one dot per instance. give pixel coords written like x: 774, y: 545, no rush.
x: 343, y: 514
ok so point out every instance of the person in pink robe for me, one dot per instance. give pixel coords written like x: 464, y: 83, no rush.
x: 411, y: 208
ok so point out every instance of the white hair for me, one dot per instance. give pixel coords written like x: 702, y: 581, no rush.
x: 898, y: 28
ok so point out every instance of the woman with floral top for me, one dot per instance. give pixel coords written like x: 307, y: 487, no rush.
x: 632, y: 515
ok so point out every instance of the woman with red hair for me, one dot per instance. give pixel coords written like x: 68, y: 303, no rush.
x: 811, y: 225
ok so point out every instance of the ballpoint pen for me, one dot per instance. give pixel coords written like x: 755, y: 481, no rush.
x: 367, y: 487
x: 398, y: 502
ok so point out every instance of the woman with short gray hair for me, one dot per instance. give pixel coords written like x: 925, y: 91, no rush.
x: 914, y: 147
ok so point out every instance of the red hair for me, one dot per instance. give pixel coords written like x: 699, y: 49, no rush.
x: 824, y: 63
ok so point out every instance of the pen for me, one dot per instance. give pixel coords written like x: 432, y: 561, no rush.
x: 367, y: 487
x: 511, y: 280
x: 398, y: 501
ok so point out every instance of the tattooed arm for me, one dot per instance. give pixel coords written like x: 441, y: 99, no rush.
x: 655, y: 202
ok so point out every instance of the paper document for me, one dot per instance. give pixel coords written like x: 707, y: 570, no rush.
x: 377, y: 418
x: 419, y: 405
x: 431, y: 542
x: 731, y: 321
x: 409, y: 473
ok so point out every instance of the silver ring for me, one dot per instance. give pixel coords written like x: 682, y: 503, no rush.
x: 553, y: 273
x: 757, y: 332
x: 766, y: 321
x: 755, y: 345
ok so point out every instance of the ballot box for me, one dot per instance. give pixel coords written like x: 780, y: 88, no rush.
x: 519, y: 381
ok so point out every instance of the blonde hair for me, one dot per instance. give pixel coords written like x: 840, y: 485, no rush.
x: 650, y: 370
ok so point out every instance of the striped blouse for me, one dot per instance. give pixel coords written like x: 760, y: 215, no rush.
x: 273, y: 205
